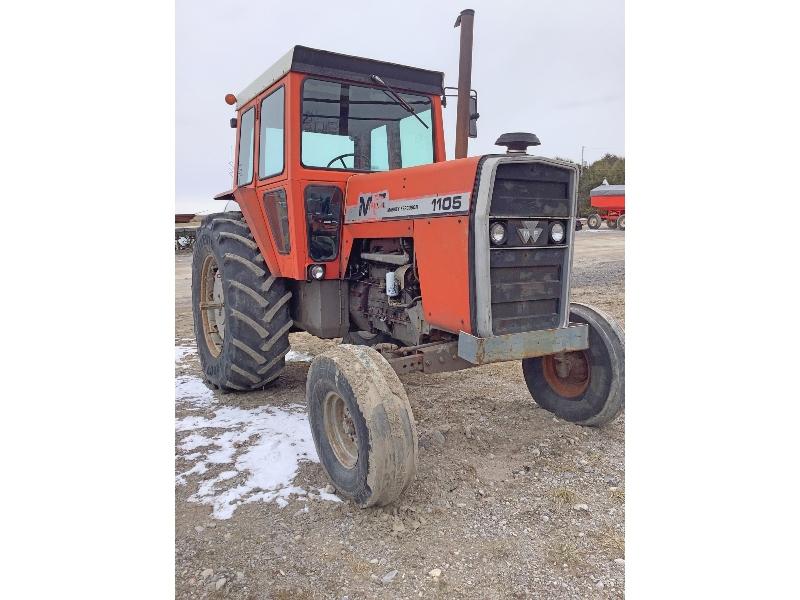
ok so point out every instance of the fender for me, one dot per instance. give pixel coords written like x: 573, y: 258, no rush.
x: 247, y: 198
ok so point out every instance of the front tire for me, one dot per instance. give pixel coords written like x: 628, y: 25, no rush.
x: 241, y: 311
x: 594, y: 221
x: 362, y: 424
x: 588, y: 386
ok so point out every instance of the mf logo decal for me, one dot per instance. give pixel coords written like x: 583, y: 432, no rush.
x: 377, y: 206
x: 364, y: 202
x: 529, y: 229
x: 371, y: 202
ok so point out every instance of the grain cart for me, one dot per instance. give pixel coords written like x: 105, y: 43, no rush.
x: 609, y: 202
x: 354, y: 224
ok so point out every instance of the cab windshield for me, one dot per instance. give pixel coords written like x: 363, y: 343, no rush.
x: 356, y: 128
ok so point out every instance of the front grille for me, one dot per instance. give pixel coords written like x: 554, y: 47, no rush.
x: 526, y: 288
x: 527, y: 279
x: 528, y: 189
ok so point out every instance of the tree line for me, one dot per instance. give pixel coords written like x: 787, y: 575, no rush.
x: 611, y: 168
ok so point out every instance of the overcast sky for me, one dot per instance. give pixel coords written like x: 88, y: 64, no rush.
x: 551, y: 67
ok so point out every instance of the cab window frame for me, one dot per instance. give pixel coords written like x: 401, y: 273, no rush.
x: 252, y: 110
x: 277, y: 219
x: 433, y: 123
x: 260, y: 143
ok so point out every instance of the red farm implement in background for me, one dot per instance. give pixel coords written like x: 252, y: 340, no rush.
x: 608, y: 202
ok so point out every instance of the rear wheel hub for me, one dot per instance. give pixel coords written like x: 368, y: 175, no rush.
x: 212, y: 305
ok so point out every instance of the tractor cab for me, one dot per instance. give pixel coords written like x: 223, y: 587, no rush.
x: 320, y: 117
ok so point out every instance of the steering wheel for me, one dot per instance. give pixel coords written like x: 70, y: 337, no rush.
x: 341, y: 157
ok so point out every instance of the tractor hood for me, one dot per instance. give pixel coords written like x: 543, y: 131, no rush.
x: 438, y: 189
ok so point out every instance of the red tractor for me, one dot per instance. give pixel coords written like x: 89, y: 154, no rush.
x: 353, y: 224
x: 609, y: 201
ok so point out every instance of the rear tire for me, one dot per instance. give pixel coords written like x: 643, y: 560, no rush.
x: 362, y: 424
x: 592, y: 391
x: 594, y: 221
x: 621, y: 222
x: 243, y: 337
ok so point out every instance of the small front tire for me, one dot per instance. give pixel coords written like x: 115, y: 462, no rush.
x: 588, y: 386
x: 362, y: 424
x: 594, y: 221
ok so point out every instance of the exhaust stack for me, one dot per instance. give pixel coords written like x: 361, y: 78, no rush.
x: 465, y: 20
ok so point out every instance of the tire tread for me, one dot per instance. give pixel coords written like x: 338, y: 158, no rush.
x: 256, y: 303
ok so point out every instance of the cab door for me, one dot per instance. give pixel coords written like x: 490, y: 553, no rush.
x: 272, y: 190
x: 244, y: 180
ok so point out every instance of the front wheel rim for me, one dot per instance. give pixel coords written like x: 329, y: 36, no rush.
x: 340, y: 430
x: 568, y: 374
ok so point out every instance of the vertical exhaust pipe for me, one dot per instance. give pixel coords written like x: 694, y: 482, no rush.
x: 465, y: 20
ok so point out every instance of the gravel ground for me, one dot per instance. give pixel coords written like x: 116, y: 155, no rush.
x: 508, y: 502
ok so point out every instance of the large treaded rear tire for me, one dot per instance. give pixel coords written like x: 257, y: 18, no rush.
x: 256, y: 307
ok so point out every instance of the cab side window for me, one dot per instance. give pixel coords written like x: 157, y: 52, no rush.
x: 245, y: 165
x: 278, y: 217
x: 270, y: 155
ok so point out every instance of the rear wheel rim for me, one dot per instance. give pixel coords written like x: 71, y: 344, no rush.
x: 340, y: 430
x: 568, y: 374
x: 212, y: 305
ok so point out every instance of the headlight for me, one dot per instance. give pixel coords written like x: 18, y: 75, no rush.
x: 557, y: 233
x: 316, y: 271
x: 497, y: 232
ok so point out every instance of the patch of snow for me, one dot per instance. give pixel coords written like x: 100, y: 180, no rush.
x: 182, y: 352
x: 190, y: 389
x: 328, y: 496
x: 294, y: 356
x: 263, y: 447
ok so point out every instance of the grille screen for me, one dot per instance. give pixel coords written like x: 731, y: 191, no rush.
x: 531, y: 190
x: 526, y: 289
x: 527, y: 282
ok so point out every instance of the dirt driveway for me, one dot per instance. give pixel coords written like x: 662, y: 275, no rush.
x: 508, y: 502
